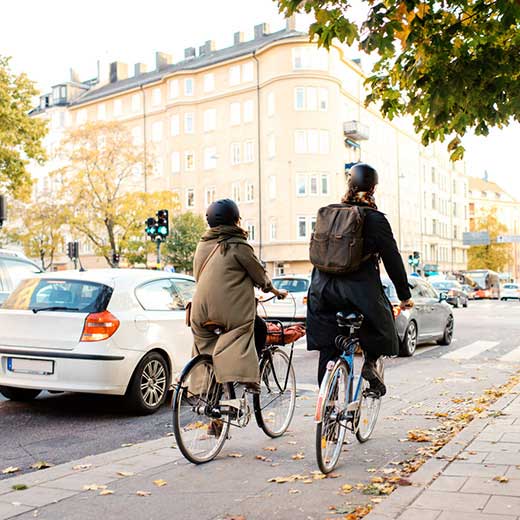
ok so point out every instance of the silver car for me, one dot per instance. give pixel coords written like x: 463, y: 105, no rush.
x: 430, y: 320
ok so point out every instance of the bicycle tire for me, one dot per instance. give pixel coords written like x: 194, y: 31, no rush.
x: 328, y: 429
x: 199, y: 422
x: 362, y: 434
x: 284, y: 382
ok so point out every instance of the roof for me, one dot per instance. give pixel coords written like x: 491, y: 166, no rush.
x: 205, y: 60
x: 478, y: 184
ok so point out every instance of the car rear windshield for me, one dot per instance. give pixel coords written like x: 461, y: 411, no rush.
x: 291, y: 285
x: 445, y: 285
x: 59, y: 295
x: 510, y: 286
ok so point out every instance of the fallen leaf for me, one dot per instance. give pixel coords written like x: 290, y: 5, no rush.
x: 298, y: 456
x: 270, y: 448
x: 377, y: 480
x: 235, y: 455
x: 41, y: 464
x: 125, y: 473
x: 94, y: 487
x: 371, y: 470
x: 235, y: 517
x: 334, y: 475
x: 143, y: 493
x: 347, y: 488
x: 81, y: 467
x: 19, y: 487
x: 127, y: 444
x: 260, y: 457
x: 501, y: 479
x: 160, y: 482
x: 106, y: 492
x: 170, y: 434
x: 291, y: 442
x: 376, y: 500
x: 404, y: 482
x: 419, y: 436
x: 307, y: 481
x: 294, y: 491
x: 10, y: 469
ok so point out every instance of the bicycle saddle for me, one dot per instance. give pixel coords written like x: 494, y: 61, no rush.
x: 351, y: 319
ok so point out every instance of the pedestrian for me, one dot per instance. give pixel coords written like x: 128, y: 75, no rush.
x: 224, y: 306
x: 358, y: 287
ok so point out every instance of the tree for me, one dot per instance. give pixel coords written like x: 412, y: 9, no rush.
x: 452, y: 66
x: 20, y: 134
x: 99, y: 183
x: 496, y: 257
x: 186, y: 230
x: 40, y: 230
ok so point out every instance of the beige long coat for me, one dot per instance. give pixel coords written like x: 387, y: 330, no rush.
x: 225, y: 294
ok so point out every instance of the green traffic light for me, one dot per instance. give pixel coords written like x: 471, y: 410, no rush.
x: 162, y: 230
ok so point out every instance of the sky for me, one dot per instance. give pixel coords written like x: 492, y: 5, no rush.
x: 46, y: 39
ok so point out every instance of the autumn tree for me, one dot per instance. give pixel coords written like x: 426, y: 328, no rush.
x: 452, y: 66
x: 186, y: 230
x: 496, y: 257
x: 20, y: 135
x: 100, y: 182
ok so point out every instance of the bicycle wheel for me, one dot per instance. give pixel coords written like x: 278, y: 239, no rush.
x: 274, y: 405
x: 331, y: 430
x: 368, y: 409
x: 199, y: 427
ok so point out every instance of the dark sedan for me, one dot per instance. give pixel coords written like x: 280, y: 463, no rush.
x: 431, y: 319
x: 453, y: 291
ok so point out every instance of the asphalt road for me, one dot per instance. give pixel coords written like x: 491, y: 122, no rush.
x: 65, y: 427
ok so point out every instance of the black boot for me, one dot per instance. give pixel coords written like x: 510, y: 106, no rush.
x: 371, y: 374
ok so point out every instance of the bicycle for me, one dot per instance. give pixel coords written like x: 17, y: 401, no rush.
x: 204, y: 410
x: 344, y: 403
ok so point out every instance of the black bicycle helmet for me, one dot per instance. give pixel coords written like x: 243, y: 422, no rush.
x: 363, y: 177
x: 223, y: 212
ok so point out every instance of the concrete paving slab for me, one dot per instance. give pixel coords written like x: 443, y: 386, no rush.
x: 456, y: 502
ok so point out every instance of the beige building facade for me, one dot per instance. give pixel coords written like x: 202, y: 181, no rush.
x: 271, y: 123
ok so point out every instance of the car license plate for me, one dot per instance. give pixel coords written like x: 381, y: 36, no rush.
x: 30, y: 366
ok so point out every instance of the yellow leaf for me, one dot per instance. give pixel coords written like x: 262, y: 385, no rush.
x: 160, y: 482
x: 127, y: 445
x: 106, y: 492
x: 347, y: 488
x: 501, y: 479
x: 10, y: 469
x: 235, y: 455
x: 81, y: 467
x: 298, y: 456
x: 270, y: 448
x: 125, y: 473
x: 143, y: 493
x: 93, y: 487
x: 294, y: 491
x: 377, y: 480
x: 41, y: 464
x: 260, y: 457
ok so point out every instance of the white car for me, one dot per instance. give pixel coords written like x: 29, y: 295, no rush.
x: 292, y: 308
x: 107, y: 331
x: 510, y: 291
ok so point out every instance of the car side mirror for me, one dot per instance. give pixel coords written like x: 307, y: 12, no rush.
x: 443, y: 297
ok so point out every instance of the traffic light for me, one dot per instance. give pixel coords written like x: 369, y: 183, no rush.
x: 3, y: 210
x: 75, y: 249
x: 115, y: 258
x: 410, y: 259
x: 163, y: 227
x: 151, y: 227
x: 70, y: 250
x: 416, y: 258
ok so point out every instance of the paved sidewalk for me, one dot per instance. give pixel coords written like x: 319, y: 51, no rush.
x: 476, y: 476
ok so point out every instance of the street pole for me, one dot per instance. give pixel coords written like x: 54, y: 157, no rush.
x: 158, y: 243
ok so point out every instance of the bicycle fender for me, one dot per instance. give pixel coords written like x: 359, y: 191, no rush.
x: 318, y: 415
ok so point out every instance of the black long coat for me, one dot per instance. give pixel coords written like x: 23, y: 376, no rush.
x: 361, y: 291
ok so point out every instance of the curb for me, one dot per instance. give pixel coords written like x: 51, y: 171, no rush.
x: 397, y: 503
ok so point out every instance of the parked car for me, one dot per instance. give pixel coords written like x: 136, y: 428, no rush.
x: 107, y: 331
x: 294, y: 307
x: 510, y: 291
x: 453, y: 292
x: 431, y: 318
x: 14, y: 266
x: 469, y: 291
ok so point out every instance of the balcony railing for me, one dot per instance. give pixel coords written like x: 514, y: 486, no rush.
x: 355, y: 130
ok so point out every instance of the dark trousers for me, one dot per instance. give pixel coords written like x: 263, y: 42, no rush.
x: 327, y: 355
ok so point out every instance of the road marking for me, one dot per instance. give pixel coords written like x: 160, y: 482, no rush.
x: 511, y: 357
x: 471, y: 350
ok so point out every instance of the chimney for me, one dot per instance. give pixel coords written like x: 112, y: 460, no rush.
x: 74, y: 76
x: 238, y: 37
x: 139, y: 68
x: 189, y: 53
x: 261, y: 30
x: 208, y: 47
x: 290, y: 23
x: 118, y: 71
x: 102, y: 73
x: 162, y: 60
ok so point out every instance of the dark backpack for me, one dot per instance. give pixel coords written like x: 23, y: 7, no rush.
x: 337, y: 242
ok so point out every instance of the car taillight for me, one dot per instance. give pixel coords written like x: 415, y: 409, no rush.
x: 396, y: 310
x: 304, y: 301
x: 99, y: 326
x: 451, y: 293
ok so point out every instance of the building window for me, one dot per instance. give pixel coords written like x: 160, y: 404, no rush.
x: 310, y: 58
x: 175, y: 125
x: 118, y: 107
x: 271, y: 146
x: 235, y: 192
x: 324, y: 184
x: 209, y: 82
x: 313, y: 224
x: 299, y: 98
x: 313, y: 141
x: 102, y: 112
x: 188, y: 87
x: 324, y: 142
x: 234, y: 75
x: 136, y: 102
x: 272, y: 230
x: 270, y: 104
x: 455, y: 233
x: 313, y: 185
x: 175, y: 162
x: 455, y: 209
x: 137, y: 136
x: 300, y: 141
x: 157, y: 131
x: 235, y: 153
x: 301, y: 185
x: 434, y: 178
x: 434, y: 201
x: 234, y: 113
x: 251, y: 235
x: 250, y: 192
x: 279, y: 269
x: 189, y: 161
x: 156, y: 97
x: 272, y: 187
x: 302, y: 227
x: 210, y: 119
x: 173, y: 88
x: 323, y: 99
x: 249, y: 154
x: 248, y: 111
x: 248, y: 73
x: 312, y: 99
x: 209, y: 195
x: 189, y: 126
x: 190, y: 198
x: 210, y: 158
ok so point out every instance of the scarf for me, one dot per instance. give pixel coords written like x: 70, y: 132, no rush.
x: 222, y: 234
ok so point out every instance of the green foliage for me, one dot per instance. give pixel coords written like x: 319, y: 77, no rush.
x: 186, y: 230
x: 451, y: 66
x: 496, y: 257
x: 20, y: 135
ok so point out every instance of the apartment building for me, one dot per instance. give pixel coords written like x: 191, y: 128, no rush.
x: 272, y: 123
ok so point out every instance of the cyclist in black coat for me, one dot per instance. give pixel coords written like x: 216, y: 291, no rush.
x: 361, y: 290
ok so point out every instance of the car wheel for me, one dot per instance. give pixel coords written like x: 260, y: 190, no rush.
x: 149, y: 385
x: 409, y: 343
x: 465, y: 304
x: 448, y: 333
x: 457, y: 303
x: 19, y: 394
